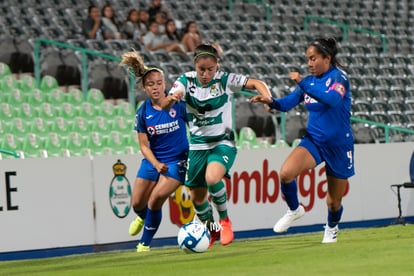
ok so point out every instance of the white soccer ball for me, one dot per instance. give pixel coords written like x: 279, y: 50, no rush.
x: 193, y: 237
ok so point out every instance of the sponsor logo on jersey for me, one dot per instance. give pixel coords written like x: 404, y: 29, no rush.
x: 308, y: 99
x: 214, y: 91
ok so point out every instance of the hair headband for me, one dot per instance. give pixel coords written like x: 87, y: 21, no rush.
x: 205, y: 53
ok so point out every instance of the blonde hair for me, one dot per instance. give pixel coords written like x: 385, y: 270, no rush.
x: 135, y: 61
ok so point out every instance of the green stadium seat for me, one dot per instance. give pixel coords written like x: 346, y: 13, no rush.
x: 47, y: 111
x: 48, y: 83
x: 7, y: 111
x: 81, y: 125
x: 280, y: 143
x: 95, y: 96
x: 27, y: 83
x: 116, y: 142
x: 40, y: 127
x: 247, y: 138
x: 67, y: 110
x: 107, y: 109
x: 125, y: 109
x: 16, y: 97
x: 36, y: 97
x: 100, y: 124
x: 121, y: 124
x: 55, y: 145
x: 76, y: 144
x: 88, y: 110
x: 19, y: 127
x: 296, y: 142
x: 8, y: 83
x: 27, y: 111
x: 75, y: 96
x: 33, y: 146
x: 4, y: 70
x: 12, y: 143
x: 60, y: 125
x: 56, y: 96
x: 96, y: 143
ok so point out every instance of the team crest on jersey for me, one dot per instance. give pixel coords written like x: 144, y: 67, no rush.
x: 173, y: 112
x: 214, y: 91
x: 151, y: 130
x: 328, y: 82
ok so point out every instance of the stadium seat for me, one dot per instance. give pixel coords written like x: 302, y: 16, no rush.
x: 4, y: 70
x: 67, y: 110
x: 76, y: 144
x: 88, y: 110
x: 27, y: 83
x: 12, y: 143
x: 56, y: 96
x: 107, y: 109
x: 9, y: 83
x: 33, y: 146
x: 55, y: 145
x: 95, y: 96
x: 100, y: 124
x: 247, y: 138
x: 60, y: 125
x: 80, y: 124
x: 125, y: 109
x: 75, y: 96
x: 122, y: 125
x: 7, y: 111
x: 48, y: 83
x: 40, y: 127
x: 96, y: 143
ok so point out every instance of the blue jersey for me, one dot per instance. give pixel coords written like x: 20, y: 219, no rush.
x: 328, y: 101
x: 166, y: 130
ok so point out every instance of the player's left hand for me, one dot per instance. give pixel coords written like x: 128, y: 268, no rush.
x: 260, y: 99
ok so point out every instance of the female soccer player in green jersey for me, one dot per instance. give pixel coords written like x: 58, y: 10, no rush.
x: 207, y: 93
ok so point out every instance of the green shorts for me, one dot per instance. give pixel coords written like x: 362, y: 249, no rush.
x: 199, y: 159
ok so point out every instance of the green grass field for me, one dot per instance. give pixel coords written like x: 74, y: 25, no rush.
x: 371, y: 251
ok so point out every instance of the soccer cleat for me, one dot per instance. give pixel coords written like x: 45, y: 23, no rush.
x: 226, y: 233
x: 283, y: 224
x: 330, y: 234
x: 136, y: 226
x: 214, y: 235
x: 142, y: 248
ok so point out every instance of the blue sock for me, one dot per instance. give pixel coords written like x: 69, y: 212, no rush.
x: 290, y: 192
x: 152, y: 222
x: 142, y: 213
x: 334, y: 217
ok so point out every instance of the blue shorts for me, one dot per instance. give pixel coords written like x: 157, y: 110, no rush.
x: 339, y: 160
x: 176, y: 170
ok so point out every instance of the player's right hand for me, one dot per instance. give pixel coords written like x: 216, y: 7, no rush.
x: 260, y: 99
x: 162, y: 168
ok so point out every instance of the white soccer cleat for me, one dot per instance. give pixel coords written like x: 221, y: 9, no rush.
x: 286, y: 221
x: 330, y: 234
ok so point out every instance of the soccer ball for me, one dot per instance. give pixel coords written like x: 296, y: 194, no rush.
x: 193, y: 237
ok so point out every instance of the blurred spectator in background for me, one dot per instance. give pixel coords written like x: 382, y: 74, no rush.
x: 92, y: 27
x: 112, y: 27
x: 172, y: 33
x: 192, y: 38
x: 161, y: 20
x: 157, y: 6
x: 133, y: 28
x: 154, y: 41
x: 144, y: 19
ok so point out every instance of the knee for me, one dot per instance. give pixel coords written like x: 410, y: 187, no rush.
x: 334, y: 204
x: 286, y: 176
x: 156, y: 201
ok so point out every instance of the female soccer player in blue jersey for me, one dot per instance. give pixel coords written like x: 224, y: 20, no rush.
x: 207, y: 93
x: 163, y: 141
x: 327, y: 97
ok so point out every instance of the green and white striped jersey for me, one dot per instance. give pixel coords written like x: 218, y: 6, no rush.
x: 209, y: 108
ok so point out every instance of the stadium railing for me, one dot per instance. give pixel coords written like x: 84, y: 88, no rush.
x: 345, y: 28
x: 9, y: 152
x: 84, y: 64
